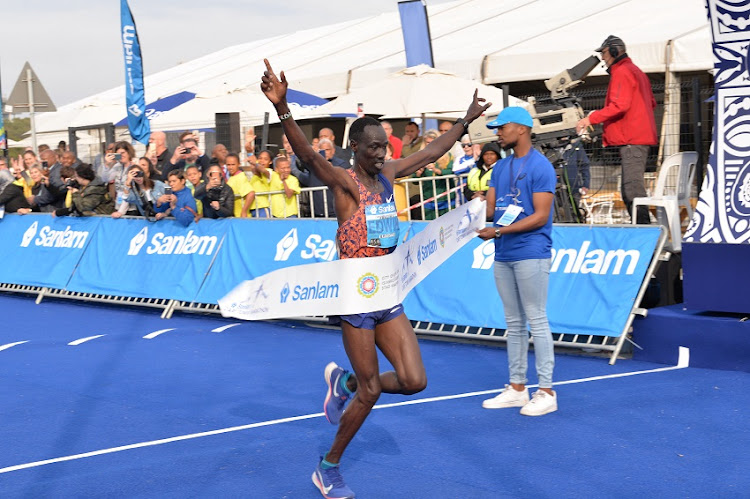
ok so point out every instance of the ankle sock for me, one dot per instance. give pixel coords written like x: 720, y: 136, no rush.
x: 342, y: 382
x: 326, y: 465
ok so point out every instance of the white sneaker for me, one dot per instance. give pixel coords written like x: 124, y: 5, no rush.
x: 541, y: 403
x: 509, y: 397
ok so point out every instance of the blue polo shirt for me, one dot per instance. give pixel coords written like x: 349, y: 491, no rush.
x: 515, y: 181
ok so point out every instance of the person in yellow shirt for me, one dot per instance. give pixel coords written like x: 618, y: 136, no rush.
x: 261, y: 183
x: 193, y: 174
x: 240, y: 184
x: 284, y: 205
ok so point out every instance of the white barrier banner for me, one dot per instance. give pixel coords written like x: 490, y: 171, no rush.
x: 355, y: 285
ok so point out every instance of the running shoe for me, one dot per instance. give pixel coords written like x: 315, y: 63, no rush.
x: 330, y: 483
x: 336, y: 397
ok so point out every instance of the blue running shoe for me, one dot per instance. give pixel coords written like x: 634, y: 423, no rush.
x: 336, y: 397
x: 330, y: 483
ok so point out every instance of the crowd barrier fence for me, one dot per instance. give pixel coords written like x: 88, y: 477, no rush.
x: 598, y: 275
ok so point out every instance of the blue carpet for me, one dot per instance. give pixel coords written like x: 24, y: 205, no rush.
x: 675, y: 433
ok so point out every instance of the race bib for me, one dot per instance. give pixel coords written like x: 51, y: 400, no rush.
x: 382, y: 225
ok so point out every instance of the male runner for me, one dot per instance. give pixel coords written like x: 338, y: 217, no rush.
x: 368, y: 183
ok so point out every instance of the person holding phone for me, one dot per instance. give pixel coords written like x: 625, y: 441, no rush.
x: 177, y: 200
x: 141, y: 191
x: 215, y: 195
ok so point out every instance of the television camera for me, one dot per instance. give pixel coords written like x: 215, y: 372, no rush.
x: 554, y: 129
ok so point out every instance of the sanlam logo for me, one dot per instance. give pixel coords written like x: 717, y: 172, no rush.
x: 582, y: 260
x: 285, y: 247
x: 29, y: 235
x: 161, y: 244
x: 426, y: 250
x: 315, y: 247
x: 50, y: 238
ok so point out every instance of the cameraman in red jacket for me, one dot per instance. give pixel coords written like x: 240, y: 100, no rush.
x: 628, y: 120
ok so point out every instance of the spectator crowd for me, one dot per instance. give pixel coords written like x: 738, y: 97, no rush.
x: 188, y: 184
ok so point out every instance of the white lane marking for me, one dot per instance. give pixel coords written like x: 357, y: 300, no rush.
x: 151, y: 336
x: 682, y: 363
x: 9, y: 345
x: 84, y: 340
x: 224, y: 328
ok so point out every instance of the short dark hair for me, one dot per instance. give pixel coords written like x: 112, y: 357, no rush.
x: 265, y: 151
x: 67, y: 172
x: 234, y: 155
x: 359, y: 125
x: 86, y: 171
x: 177, y: 173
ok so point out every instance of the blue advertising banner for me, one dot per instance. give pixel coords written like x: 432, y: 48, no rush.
x: 40, y: 250
x: 134, y: 257
x: 253, y: 248
x: 135, y: 99
x: 595, y: 276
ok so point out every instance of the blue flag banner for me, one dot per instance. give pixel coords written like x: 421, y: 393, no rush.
x: 3, y: 137
x: 40, y: 250
x: 133, y: 257
x: 416, y: 29
x: 135, y: 99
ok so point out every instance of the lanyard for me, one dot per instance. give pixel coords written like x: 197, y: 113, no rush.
x: 514, y: 191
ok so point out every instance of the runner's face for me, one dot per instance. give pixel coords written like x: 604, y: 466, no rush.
x: 371, y: 148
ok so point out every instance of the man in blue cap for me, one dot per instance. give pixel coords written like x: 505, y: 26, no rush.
x: 519, y: 200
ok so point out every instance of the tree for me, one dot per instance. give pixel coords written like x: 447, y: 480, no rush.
x: 16, y: 127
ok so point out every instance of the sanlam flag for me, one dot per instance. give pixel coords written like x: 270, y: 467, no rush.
x: 135, y: 100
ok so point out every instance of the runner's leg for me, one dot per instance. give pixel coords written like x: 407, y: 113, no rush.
x: 398, y: 342
x: 360, y: 347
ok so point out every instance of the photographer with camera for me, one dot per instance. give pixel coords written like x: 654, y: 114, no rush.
x: 141, y: 190
x: 186, y: 154
x: 628, y: 120
x: 215, y: 195
x: 87, y: 197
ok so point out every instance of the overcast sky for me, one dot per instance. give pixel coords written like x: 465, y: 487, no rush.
x: 74, y: 45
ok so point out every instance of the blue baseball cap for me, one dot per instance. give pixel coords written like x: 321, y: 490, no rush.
x: 512, y: 115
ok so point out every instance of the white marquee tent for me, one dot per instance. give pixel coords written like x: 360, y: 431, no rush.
x: 490, y: 41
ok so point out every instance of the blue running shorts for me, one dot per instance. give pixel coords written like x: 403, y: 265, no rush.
x: 370, y: 319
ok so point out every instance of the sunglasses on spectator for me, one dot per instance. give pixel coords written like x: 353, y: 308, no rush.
x: 465, y: 145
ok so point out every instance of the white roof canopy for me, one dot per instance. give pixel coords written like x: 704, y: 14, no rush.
x: 489, y: 41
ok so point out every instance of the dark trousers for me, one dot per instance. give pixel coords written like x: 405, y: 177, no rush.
x: 633, y: 162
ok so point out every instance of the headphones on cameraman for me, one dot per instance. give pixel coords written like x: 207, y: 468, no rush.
x: 613, y: 50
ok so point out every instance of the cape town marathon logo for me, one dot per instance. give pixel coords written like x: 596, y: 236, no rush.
x: 367, y: 285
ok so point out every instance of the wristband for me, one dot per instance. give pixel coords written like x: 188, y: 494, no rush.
x: 285, y: 116
x: 464, y: 123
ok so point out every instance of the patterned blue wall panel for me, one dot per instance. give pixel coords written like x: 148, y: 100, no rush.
x: 723, y: 211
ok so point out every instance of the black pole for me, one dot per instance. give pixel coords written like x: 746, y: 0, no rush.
x: 698, y: 130
x: 2, y: 111
x: 264, y: 133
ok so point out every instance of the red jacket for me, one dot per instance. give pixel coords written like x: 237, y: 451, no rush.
x: 628, y: 113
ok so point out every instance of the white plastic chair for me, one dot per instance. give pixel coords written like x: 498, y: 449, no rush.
x: 672, y: 192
